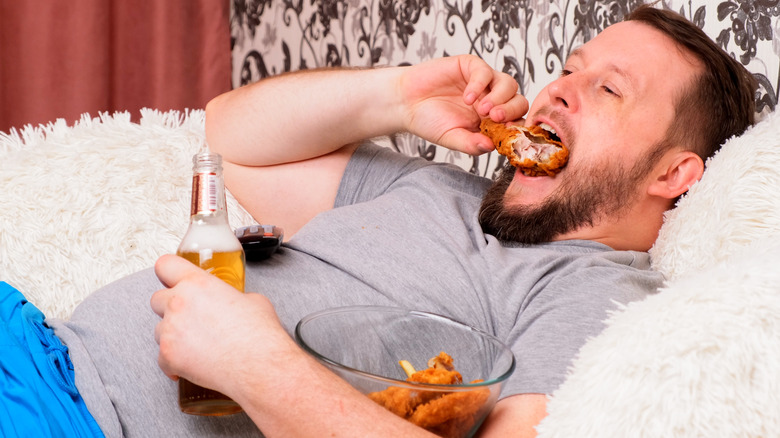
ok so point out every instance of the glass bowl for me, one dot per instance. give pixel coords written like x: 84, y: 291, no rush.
x: 365, y: 345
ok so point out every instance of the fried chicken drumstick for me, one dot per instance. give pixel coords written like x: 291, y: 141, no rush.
x: 533, y: 149
x: 447, y: 414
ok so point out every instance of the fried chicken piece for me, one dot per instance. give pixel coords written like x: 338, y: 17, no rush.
x: 532, y: 149
x: 452, y: 406
x: 441, y: 361
x: 400, y: 401
x: 436, y: 377
x: 447, y: 414
x: 403, y: 401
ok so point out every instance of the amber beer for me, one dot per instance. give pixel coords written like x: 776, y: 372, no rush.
x: 210, y: 244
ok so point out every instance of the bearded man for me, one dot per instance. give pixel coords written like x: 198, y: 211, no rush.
x: 538, y: 261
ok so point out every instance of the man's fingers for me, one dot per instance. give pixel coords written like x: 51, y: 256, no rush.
x: 472, y: 143
x: 480, y: 76
x: 514, y: 109
x: 164, y: 366
x: 159, y: 301
x: 158, y: 331
x: 171, y: 269
x: 503, y: 87
x: 496, y: 95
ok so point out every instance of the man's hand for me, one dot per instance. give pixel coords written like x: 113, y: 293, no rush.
x: 446, y: 98
x: 209, y: 331
x: 219, y: 338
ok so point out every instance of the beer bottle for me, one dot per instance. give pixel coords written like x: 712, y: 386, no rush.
x: 210, y: 244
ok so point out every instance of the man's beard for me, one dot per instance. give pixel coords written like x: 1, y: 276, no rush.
x: 584, y: 197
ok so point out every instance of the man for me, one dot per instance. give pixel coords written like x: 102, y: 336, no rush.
x: 635, y: 107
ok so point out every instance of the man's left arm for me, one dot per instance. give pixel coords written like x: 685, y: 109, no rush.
x: 515, y: 416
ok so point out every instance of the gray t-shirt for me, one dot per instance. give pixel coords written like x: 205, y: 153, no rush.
x: 405, y: 234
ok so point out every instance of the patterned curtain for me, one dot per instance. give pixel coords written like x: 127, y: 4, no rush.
x: 529, y: 39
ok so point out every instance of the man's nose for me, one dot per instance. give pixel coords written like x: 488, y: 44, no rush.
x: 564, y: 92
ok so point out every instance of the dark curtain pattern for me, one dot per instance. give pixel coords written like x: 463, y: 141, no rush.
x: 529, y: 39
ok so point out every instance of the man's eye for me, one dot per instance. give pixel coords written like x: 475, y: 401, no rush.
x: 609, y: 90
x: 565, y: 72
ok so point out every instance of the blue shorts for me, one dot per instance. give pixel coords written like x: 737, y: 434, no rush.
x: 38, y: 395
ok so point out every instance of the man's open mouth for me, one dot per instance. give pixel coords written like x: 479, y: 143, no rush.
x: 553, y: 135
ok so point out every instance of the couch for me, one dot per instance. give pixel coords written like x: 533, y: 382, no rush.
x: 86, y: 204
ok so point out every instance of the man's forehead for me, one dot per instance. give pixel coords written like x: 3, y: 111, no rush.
x: 616, y: 65
x: 636, y: 51
x: 629, y: 39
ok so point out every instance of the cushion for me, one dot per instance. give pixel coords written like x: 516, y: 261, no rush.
x: 736, y: 202
x: 699, y: 359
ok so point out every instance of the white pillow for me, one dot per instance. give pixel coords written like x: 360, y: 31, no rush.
x: 88, y: 204
x: 736, y: 202
x: 699, y: 359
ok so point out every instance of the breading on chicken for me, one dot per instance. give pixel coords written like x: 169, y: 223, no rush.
x: 447, y: 414
x: 533, y: 149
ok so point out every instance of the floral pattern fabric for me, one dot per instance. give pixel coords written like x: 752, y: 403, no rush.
x: 528, y: 39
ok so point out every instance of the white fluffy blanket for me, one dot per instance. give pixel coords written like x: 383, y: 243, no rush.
x: 88, y: 204
x: 736, y: 203
x: 702, y: 357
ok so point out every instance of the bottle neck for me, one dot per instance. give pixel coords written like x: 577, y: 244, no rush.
x: 208, y: 187
x: 208, y: 194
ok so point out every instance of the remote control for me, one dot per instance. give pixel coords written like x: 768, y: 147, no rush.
x: 259, y: 241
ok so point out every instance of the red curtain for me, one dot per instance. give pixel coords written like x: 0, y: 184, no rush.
x: 59, y: 59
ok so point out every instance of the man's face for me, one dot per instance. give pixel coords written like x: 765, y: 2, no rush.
x: 612, y: 107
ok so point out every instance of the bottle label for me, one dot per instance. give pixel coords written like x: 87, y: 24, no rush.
x: 205, y: 196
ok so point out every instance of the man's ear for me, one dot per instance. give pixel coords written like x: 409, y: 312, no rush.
x: 676, y: 173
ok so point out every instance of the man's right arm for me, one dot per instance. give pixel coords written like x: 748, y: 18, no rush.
x: 286, y: 140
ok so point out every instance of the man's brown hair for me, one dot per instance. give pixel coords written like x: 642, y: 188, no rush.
x: 721, y: 102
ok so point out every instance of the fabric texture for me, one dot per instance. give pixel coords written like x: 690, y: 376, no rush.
x: 87, y: 204
x: 38, y: 395
x: 544, y: 301
x: 63, y: 60
x: 734, y: 204
x: 396, y: 217
x: 699, y: 359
